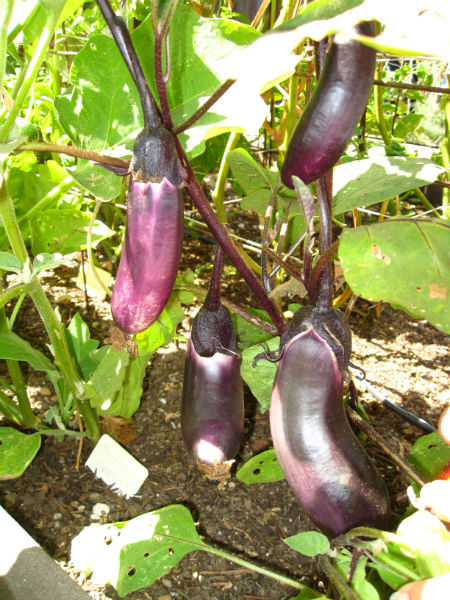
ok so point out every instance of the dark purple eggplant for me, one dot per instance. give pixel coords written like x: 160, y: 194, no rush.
x: 153, y: 236
x: 212, y: 415
x: 332, y: 113
x: 333, y: 478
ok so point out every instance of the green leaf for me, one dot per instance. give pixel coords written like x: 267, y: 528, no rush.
x: 44, y: 261
x: 65, y: 230
x: 13, y: 347
x: 162, y: 331
x: 249, y: 173
x: 102, y: 108
x: 309, y: 543
x: 9, y: 262
x: 246, y: 331
x: 133, y: 554
x: 97, y: 180
x: 184, y: 278
x: 430, y: 456
x: 262, y: 468
x: 403, y: 262
x: 107, y: 379
x: 260, y: 378
x: 364, y: 182
x: 17, y: 450
x: 128, y: 398
x: 81, y: 346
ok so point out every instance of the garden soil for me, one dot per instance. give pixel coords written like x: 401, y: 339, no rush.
x: 53, y: 500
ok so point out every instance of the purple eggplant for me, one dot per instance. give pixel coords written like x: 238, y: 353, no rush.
x: 334, y: 480
x: 332, y: 113
x: 153, y: 236
x: 212, y: 416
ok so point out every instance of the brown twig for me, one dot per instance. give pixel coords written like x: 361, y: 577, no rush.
x: 74, y: 151
x: 376, y: 437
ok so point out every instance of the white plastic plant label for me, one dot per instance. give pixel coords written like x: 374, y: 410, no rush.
x: 116, y: 467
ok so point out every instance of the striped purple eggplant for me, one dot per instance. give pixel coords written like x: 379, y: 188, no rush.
x: 333, y: 111
x: 212, y: 416
x: 333, y: 478
x: 153, y: 236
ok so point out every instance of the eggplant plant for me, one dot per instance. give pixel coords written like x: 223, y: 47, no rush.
x: 324, y: 463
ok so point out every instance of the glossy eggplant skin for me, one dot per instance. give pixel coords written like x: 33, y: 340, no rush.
x: 150, y: 257
x: 334, y: 480
x: 154, y: 234
x: 212, y: 415
x: 333, y: 111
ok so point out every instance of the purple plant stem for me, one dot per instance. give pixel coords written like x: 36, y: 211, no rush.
x: 323, y: 296
x: 224, y: 239
x: 212, y: 300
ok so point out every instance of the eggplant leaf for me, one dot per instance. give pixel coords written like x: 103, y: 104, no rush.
x: 364, y: 182
x: 17, y: 450
x: 133, y: 554
x: 309, y: 543
x: 65, y: 230
x: 403, y: 262
x: 430, y: 456
x: 262, y: 468
x: 259, y: 378
x: 81, y: 345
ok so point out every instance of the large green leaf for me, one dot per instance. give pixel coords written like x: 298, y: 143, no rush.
x: 259, y: 378
x: 102, y: 108
x: 65, y: 230
x: 133, y: 554
x: 365, y: 182
x: 404, y: 262
x: 17, y: 450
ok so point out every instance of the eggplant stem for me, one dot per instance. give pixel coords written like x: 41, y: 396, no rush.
x: 161, y: 80
x: 223, y: 238
x: 318, y: 268
x: 121, y: 35
x: 323, y: 297
x: 376, y: 437
x: 256, y: 321
x: 265, y: 240
x: 212, y: 301
x: 204, y: 108
x: 337, y: 582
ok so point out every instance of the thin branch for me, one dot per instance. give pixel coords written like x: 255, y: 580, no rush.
x: 204, y: 108
x: 376, y: 437
x: 74, y: 151
x: 412, y: 86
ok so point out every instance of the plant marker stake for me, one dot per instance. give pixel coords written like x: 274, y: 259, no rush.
x: 116, y: 467
x: 402, y: 412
